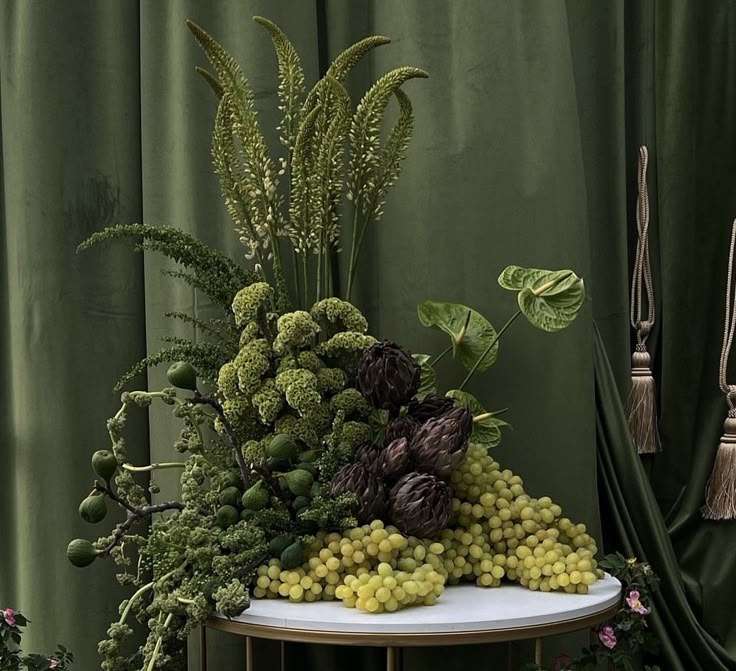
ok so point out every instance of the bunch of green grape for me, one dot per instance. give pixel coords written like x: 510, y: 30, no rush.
x: 498, y: 533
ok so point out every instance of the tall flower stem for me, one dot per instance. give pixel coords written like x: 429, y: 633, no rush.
x: 441, y: 356
x: 488, y: 349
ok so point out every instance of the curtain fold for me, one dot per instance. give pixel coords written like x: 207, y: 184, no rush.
x: 524, y: 152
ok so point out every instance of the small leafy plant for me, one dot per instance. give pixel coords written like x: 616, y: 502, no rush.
x: 624, y: 640
x: 12, y: 623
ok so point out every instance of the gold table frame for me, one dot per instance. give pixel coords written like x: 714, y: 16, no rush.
x: 395, y: 642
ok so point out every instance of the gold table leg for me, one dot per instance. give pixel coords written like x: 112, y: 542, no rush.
x: 248, y: 653
x: 203, y: 648
x: 538, y: 652
x: 393, y: 659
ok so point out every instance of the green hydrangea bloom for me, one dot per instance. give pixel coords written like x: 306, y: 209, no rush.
x: 331, y: 380
x: 299, y: 386
x: 351, y: 402
x: 354, y: 434
x: 252, y: 362
x: 227, y: 381
x: 251, y: 300
x: 309, y: 360
x: 250, y: 332
x: 347, y: 343
x: 341, y: 313
x: 299, y: 429
x: 231, y: 599
x: 268, y: 401
x: 295, y: 331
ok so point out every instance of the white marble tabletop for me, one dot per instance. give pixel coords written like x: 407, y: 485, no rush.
x: 460, y: 608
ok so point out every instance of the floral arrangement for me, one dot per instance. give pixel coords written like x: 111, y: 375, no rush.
x: 317, y: 462
x: 12, y: 658
x: 622, y: 642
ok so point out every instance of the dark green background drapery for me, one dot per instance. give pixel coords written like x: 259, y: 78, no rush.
x: 524, y: 151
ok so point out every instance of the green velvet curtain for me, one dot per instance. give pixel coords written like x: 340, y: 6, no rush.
x: 524, y: 151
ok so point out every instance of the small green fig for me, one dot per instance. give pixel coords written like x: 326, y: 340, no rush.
x: 104, y: 464
x: 93, y: 509
x: 81, y: 552
x: 227, y: 516
x: 181, y: 374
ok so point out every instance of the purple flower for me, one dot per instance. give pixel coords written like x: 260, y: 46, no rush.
x: 607, y: 636
x: 9, y: 616
x: 635, y: 604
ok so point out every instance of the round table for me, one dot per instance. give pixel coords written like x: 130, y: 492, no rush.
x: 464, y: 614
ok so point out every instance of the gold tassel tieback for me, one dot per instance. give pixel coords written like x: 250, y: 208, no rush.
x: 643, y: 404
x: 720, y: 493
x: 720, y: 496
x: 643, y: 397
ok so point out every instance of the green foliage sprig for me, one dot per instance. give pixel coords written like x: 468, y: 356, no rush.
x: 12, y: 623
x: 317, y: 129
x: 620, y: 643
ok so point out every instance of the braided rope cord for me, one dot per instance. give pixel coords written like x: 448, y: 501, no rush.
x: 729, y: 327
x: 642, y: 285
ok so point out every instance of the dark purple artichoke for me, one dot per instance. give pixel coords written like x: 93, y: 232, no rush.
x: 387, y: 376
x: 432, y: 406
x: 439, y: 444
x: 366, y: 485
x: 420, y: 505
x: 395, y: 459
x: 401, y: 427
x: 369, y: 454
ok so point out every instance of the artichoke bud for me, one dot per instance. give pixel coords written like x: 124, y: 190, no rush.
x: 369, y: 454
x: 366, y: 486
x: 420, y: 505
x: 387, y: 376
x: 428, y: 408
x: 403, y: 426
x: 395, y: 459
x: 440, y: 443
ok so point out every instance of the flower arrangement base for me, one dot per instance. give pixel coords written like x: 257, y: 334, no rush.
x: 465, y: 617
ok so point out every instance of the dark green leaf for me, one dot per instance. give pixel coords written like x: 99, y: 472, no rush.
x: 549, y: 299
x: 470, y: 332
x: 487, y: 430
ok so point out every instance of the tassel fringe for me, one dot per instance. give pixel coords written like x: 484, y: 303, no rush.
x: 643, y: 405
x: 720, y: 495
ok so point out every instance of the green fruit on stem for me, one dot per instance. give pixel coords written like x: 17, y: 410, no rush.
x: 93, y: 509
x: 227, y: 516
x: 315, y: 490
x: 283, y: 447
x: 181, y: 374
x: 299, y: 482
x: 278, y: 464
x: 81, y: 552
x: 292, y: 556
x: 246, y: 514
x: 256, y: 497
x: 301, y: 502
x: 306, y: 466
x: 229, y: 496
x: 104, y: 464
x: 279, y: 543
x: 232, y: 479
x: 309, y: 456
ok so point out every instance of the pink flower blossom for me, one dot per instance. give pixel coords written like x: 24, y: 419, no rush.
x: 635, y: 604
x: 607, y: 636
x: 9, y: 616
x: 53, y: 663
